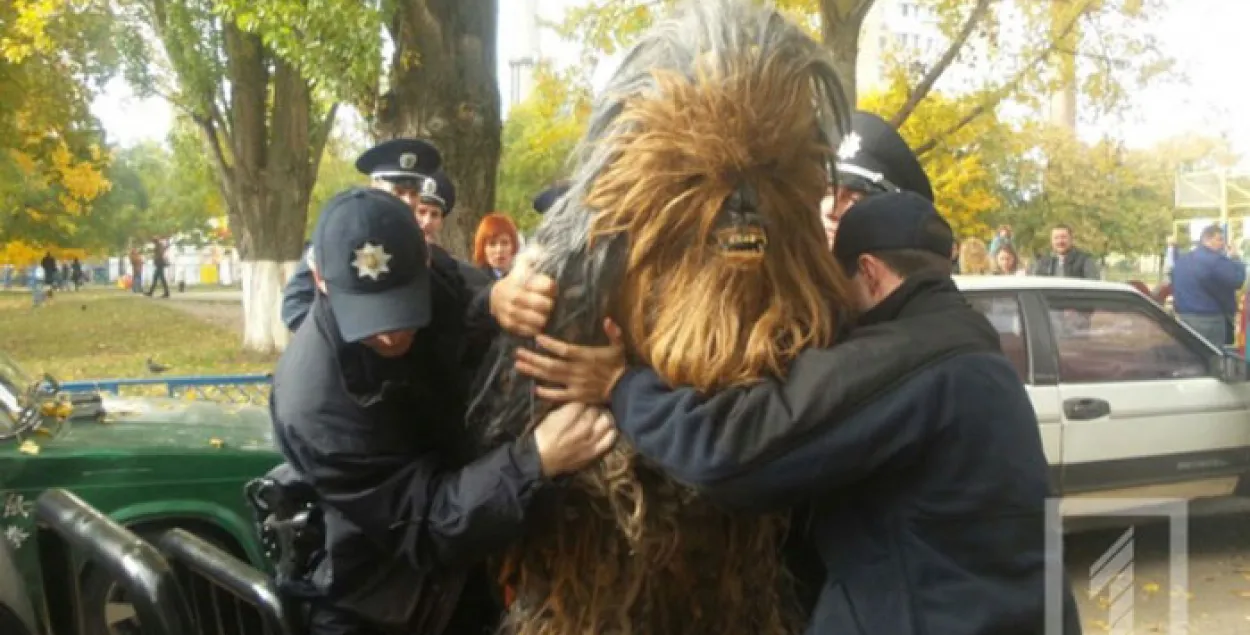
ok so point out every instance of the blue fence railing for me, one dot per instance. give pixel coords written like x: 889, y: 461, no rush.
x: 240, y: 389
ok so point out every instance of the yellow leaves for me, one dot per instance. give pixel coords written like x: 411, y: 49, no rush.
x: 22, y: 254
x: 24, y: 162
x: 964, y: 184
x: 28, y: 34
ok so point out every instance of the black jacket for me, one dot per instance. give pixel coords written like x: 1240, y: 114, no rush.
x: 1077, y: 264
x: 408, y: 515
x: 915, y: 447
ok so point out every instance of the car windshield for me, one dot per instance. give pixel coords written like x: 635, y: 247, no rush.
x: 14, y: 390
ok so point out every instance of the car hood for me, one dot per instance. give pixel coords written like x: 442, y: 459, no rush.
x: 137, y: 423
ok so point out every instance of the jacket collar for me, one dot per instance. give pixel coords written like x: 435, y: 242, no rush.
x: 923, y: 293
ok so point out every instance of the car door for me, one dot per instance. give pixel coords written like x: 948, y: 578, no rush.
x: 1021, y: 331
x: 1144, y: 413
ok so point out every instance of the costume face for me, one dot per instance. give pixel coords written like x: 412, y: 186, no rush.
x: 728, y: 274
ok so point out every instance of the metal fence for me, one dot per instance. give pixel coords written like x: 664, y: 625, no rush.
x: 238, y: 389
x: 228, y: 597
x: 69, y: 532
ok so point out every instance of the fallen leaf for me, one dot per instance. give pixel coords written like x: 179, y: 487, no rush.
x: 1150, y: 587
x: 28, y: 447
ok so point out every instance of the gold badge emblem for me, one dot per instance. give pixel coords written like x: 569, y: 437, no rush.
x: 371, y: 261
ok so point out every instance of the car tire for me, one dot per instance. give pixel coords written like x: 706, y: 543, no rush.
x: 100, y: 590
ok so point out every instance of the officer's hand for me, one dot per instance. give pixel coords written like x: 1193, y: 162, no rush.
x: 572, y: 436
x: 580, y: 373
x: 522, y: 301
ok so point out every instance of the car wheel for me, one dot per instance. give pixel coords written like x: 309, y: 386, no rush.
x: 106, y: 609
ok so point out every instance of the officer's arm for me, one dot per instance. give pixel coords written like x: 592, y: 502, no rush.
x: 427, y: 511
x: 776, y: 441
x: 297, y: 296
x: 767, y: 446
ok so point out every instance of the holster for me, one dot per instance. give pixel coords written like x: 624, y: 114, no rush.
x: 291, y: 528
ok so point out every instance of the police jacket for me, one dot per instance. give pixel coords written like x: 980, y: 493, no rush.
x: 1205, y: 282
x: 916, y: 450
x: 1076, y: 264
x: 382, y: 441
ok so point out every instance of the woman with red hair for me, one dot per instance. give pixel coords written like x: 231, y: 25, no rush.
x: 496, y: 245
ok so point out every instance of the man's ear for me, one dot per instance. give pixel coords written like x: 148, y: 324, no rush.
x: 869, y: 269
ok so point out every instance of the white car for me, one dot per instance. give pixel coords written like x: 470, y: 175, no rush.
x: 1132, y: 403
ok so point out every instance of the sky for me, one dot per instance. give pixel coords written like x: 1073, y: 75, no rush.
x: 1206, y: 37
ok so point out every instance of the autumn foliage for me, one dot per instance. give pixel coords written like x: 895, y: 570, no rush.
x: 51, y: 163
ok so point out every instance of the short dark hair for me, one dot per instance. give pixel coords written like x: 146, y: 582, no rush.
x: 1064, y: 227
x: 1211, y: 231
x: 910, y: 262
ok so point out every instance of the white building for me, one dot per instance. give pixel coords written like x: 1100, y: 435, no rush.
x: 901, y: 27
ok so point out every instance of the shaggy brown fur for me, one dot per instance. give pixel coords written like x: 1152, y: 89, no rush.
x: 698, y: 316
x: 625, y: 549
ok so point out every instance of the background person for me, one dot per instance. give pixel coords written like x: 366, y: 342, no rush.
x: 1205, y: 282
x: 495, y: 245
x: 1064, y: 259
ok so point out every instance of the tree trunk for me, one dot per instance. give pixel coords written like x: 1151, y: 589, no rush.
x: 444, y: 87
x: 841, y: 21
x: 274, y: 143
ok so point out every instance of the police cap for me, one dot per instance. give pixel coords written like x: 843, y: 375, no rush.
x: 401, y: 161
x: 549, y: 196
x: 874, y: 158
x: 888, y: 222
x: 372, y: 255
x: 439, y: 190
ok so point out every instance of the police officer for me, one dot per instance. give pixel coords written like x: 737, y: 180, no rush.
x: 872, y: 159
x: 437, y: 202
x: 361, y: 411
x: 410, y: 169
x: 397, y: 166
x: 913, y: 441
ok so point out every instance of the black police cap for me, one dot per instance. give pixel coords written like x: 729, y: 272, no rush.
x: 439, y: 190
x: 372, y: 256
x: 874, y: 157
x: 888, y: 222
x: 400, y: 160
x: 549, y: 196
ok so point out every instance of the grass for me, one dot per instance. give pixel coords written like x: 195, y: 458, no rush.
x: 110, y: 333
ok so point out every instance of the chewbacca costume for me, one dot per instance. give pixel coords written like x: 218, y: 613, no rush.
x: 691, y: 220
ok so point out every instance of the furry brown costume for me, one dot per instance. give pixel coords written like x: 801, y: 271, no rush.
x: 692, y: 220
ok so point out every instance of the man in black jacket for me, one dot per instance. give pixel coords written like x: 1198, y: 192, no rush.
x: 912, y: 440
x: 1065, y: 260
x: 367, y: 409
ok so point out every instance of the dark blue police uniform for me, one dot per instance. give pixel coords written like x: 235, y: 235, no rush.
x: 409, y: 510
x: 440, y: 191
x: 913, y: 441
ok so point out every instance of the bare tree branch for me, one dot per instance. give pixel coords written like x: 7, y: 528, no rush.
x: 997, y: 96
x: 922, y: 89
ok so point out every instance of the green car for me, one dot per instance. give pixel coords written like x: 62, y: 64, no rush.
x: 151, y: 464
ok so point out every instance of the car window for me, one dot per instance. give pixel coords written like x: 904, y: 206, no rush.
x: 1003, y: 311
x: 1107, y: 339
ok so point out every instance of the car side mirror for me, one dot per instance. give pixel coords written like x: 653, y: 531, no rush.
x: 1231, y: 368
